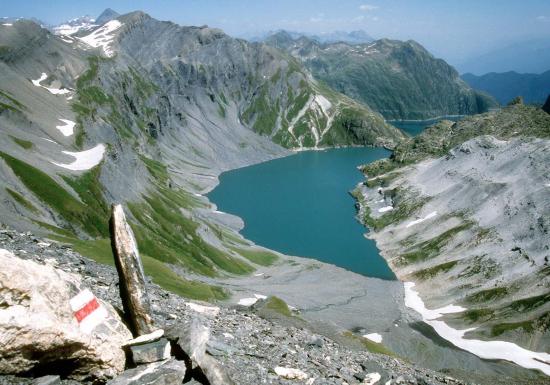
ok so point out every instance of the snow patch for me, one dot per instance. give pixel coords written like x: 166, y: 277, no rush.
x: 208, y: 310
x: 415, y: 222
x: 290, y: 373
x: 84, y: 160
x: 492, y: 350
x: 68, y: 128
x: 372, y: 378
x: 374, y: 337
x: 252, y: 300
x: 55, y: 91
x: 7, y: 24
x: 103, y: 37
x: 324, y: 103
x: 247, y: 301
x: 384, y: 209
x: 68, y: 29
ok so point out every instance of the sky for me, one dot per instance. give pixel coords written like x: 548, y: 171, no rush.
x: 454, y: 30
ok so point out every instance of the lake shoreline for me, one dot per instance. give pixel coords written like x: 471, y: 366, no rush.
x: 363, y: 303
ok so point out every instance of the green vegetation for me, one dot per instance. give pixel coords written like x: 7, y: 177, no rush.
x: 21, y: 200
x: 51, y: 193
x: 488, y: 295
x: 89, y: 189
x: 432, y: 247
x: 403, y: 209
x: 475, y: 315
x: 435, y: 270
x: 541, y: 323
x: 257, y: 256
x: 371, y: 346
x: 263, y: 112
x: 278, y: 305
x: 22, y: 143
x: 54, y: 229
x: 100, y: 251
x: 530, y: 303
x: 156, y: 169
x: 165, y: 234
x: 8, y: 102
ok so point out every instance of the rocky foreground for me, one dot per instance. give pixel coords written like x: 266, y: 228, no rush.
x: 244, y: 347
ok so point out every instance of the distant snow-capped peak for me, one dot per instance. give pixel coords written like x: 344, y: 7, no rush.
x: 74, y: 26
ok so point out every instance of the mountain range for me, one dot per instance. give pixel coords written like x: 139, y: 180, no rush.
x: 534, y: 88
x: 400, y: 80
x: 352, y: 37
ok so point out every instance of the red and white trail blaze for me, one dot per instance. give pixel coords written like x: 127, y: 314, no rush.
x: 87, y: 310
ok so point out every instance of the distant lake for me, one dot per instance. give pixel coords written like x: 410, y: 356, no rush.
x: 300, y: 205
x: 415, y: 127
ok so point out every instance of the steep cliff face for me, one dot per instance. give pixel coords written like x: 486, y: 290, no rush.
x: 401, y: 80
x: 148, y: 113
x: 466, y: 219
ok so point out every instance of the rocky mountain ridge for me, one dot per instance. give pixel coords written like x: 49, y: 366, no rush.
x: 401, y: 80
x: 464, y: 217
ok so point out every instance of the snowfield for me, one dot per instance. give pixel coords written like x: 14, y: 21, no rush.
x: 68, y: 128
x: 251, y: 301
x: 103, y: 37
x: 84, y: 160
x: 55, y: 91
x: 374, y: 337
x: 430, y: 215
x: 492, y: 350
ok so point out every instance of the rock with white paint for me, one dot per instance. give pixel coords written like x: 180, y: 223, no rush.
x: 145, y: 338
x: 169, y: 372
x: 48, y: 318
x: 149, y: 352
x: 290, y: 373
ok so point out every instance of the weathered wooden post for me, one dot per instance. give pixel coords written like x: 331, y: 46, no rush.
x: 130, y: 272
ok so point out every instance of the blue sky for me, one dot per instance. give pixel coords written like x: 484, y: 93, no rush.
x: 451, y: 29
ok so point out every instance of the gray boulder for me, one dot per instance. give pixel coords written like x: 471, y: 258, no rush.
x: 193, y: 340
x: 50, y: 322
x: 170, y: 372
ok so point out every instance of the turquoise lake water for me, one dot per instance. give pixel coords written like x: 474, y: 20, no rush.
x: 300, y: 205
x: 415, y: 127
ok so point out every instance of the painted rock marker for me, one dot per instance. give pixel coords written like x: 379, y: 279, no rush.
x: 87, y: 310
x: 130, y: 272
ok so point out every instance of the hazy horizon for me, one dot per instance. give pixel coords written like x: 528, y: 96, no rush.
x: 452, y: 30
